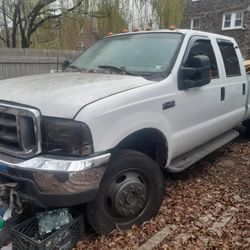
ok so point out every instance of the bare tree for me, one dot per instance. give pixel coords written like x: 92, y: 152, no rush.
x: 25, y: 17
x: 20, y: 19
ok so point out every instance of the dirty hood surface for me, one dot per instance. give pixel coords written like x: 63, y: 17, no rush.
x: 63, y: 94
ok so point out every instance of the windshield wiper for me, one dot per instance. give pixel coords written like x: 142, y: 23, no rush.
x: 76, y: 68
x: 117, y: 69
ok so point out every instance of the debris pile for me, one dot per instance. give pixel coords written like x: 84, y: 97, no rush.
x: 10, y: 205
x: 55, y: 229
x: 51, y: 221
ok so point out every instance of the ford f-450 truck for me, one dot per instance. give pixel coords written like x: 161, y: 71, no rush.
x: 131, y: 107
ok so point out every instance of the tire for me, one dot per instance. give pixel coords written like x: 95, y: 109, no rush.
x: 130, y: 192
x: 246, y: 124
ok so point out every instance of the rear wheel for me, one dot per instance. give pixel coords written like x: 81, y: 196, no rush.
x: 130, y: 193
x: 246, y: 124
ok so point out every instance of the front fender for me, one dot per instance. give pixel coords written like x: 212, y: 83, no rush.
x: 114, y: 118
x: 109, y: 129
x: 110, y: 136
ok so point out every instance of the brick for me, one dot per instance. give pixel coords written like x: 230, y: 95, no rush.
x: 211, y: 13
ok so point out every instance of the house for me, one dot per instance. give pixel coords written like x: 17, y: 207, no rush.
x: 230, y: 18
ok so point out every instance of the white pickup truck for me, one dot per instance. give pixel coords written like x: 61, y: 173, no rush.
x: 130, y: 107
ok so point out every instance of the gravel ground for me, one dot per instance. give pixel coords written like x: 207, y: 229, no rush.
x: 206, y: 207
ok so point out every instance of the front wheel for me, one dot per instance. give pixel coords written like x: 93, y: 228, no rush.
x: 130, y: 193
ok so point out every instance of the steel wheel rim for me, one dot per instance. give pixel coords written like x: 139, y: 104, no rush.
x: 127, y: 196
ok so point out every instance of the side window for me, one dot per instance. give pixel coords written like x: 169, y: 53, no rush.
x: 230, y: 58
x: 203, y: 47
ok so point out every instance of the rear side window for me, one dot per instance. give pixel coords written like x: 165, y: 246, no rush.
x: 230, y: 58
x: 203, y: 47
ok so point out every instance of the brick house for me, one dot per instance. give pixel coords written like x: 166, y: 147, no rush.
x: 230, y: 18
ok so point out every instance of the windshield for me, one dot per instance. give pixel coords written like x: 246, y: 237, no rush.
x: 139, y: 54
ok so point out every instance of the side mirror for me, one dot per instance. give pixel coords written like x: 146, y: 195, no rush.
x: 197, y: 74
x: 65, y: 64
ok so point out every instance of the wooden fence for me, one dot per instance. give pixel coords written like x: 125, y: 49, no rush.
x: 19, y: 62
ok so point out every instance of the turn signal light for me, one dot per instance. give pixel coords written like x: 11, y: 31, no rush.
x: 110, y: 34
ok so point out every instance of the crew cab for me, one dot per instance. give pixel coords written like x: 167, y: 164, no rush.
x: 134, y: 105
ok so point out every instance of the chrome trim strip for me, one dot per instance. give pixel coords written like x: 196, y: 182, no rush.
x: 42, y: 163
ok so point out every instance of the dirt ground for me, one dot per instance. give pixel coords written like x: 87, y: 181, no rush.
x: 207, y: 207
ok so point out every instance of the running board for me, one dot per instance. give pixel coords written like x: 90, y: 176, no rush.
x: 186, y: 160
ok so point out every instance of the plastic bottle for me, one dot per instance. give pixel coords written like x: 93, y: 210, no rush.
x: 2, y: 224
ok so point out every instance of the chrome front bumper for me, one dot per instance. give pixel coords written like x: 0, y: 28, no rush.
x: 58, y: 176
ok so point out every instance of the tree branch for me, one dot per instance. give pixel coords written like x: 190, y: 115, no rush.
x: 2, y: 39
x: 40, y: 5
x: 15, y: 25
x: 7, y: 39
x: 33, y: 26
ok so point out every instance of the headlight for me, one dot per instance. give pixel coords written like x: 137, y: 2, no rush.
x: 65, y: 137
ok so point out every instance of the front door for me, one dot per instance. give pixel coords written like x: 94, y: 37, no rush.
x: 199, y: 109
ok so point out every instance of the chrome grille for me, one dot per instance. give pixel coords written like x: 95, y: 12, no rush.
x: 8, y: 131
x: 19, y: 131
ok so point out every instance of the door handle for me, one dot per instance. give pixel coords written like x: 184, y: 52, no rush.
x: 222, y: 94
x: 243, y: 89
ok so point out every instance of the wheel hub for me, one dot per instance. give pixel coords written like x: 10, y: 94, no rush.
x: 127, y: 195
x: 130, y: 199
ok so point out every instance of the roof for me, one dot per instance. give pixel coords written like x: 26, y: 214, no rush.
x: 182, y: 31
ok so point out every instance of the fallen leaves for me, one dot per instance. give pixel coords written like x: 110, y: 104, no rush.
x: 209, y: 204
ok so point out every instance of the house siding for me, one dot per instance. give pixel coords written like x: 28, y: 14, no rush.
x: 210, y: 13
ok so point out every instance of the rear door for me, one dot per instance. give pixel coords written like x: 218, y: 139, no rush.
x: 235, y: 84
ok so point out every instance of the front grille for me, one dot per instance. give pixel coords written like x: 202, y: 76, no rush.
x: 19, y: 131
x: 8, y: 131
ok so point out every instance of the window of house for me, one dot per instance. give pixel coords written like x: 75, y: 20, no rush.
x: 195, y: 24
x: 238, y: 19
x: 232, y: 20
x: 230, y: 58
x: 203, y: 47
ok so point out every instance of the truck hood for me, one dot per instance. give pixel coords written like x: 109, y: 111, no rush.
x: 64, y: 94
